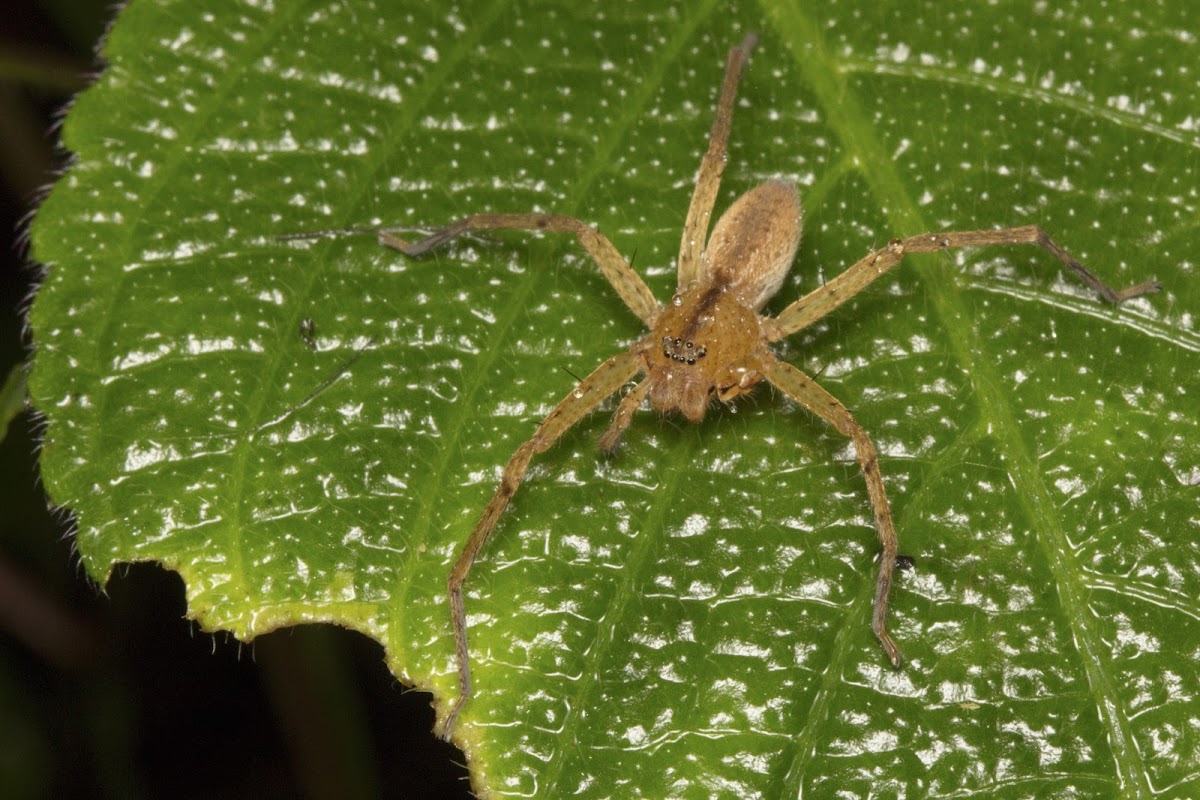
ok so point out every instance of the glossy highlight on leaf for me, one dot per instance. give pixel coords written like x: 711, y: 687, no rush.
x: 307, y: 430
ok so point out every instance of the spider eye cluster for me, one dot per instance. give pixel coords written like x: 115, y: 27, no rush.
x: 685, y: 352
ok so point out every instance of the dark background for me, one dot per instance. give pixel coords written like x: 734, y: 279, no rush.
x: 111, y: 692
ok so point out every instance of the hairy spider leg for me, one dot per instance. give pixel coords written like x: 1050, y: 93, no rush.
x: 816, y: 304
x: 629, y: 285
x: 805, y: 391
x: 591, y: 391
x: 712, y: 165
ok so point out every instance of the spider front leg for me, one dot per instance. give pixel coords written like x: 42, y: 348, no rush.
x: 712, y: 165
x: 628, y: 284
x: 1026, y: 234
x: 803, y: 390
x: 591, y: 391
x: 818, y: 303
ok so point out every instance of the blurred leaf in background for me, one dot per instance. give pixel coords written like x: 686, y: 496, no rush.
x: 691, y: 617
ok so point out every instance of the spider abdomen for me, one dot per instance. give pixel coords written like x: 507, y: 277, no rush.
x: 754, y: 243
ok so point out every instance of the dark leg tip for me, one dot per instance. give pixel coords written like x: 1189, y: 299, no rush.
x: 448, y: 726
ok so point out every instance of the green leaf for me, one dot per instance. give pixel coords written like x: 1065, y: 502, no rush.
x: 12, y: 397
x: 689, y: 618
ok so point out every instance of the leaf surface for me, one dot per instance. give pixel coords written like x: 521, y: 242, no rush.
x: 308, y: 430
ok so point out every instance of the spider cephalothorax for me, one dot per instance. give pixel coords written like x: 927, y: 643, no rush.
x: 704, y: 342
